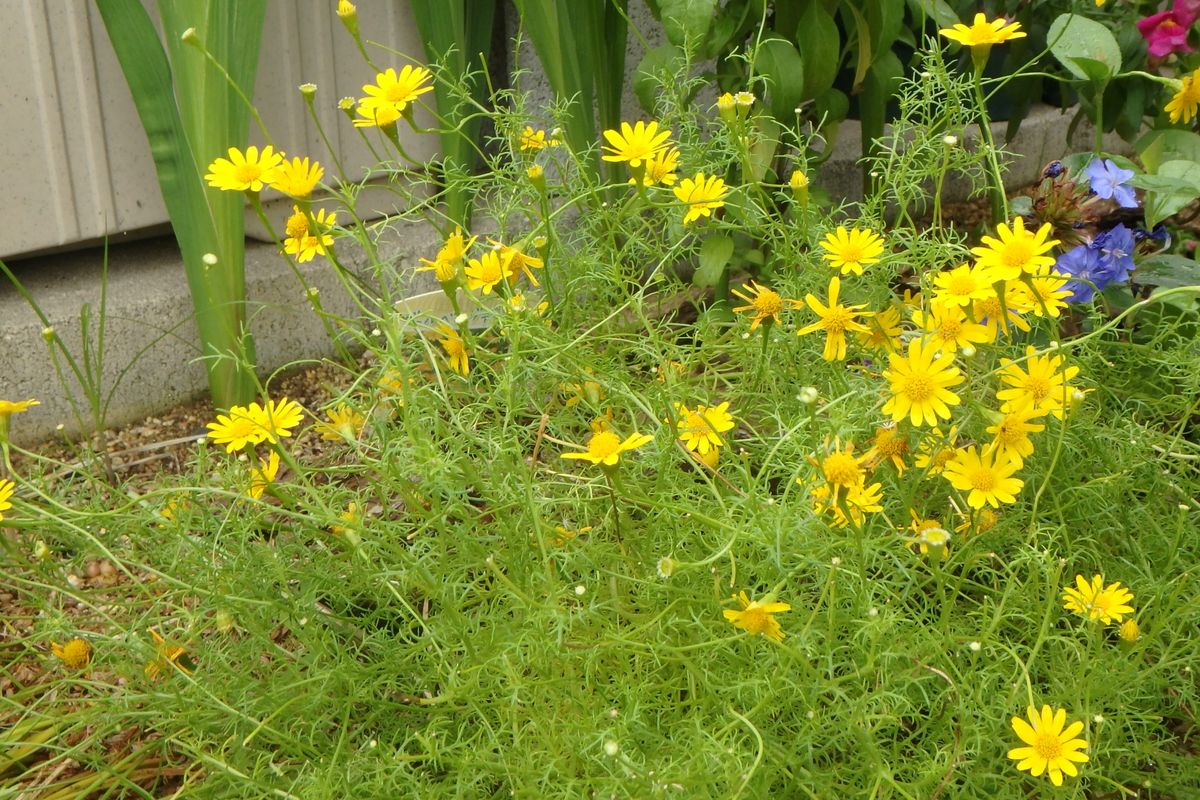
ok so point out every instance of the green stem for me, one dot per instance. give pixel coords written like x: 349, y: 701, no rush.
x: 999, y: 199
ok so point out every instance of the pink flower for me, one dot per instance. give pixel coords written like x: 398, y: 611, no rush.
x: 1166, y: 32
x: 1186, y: 12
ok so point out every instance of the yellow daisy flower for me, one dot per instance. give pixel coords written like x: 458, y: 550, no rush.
x: 859, y: 499
x: 983, y: 33
x: 1010, y: 435
x: 75, y: 654
x: 700, y: 430
x: 930, y: 537
x: 519, y: 262
x: 237, y: 429
x: 456, y: 350
x: 307, y: 238
x: 660, y: 168
x: 988, y: 476
x: 888, y: 445
x: 297, y: 177
x: 345, y: 423
x: 1040, y: 384
x: 998, y: 318
x: 963, y: 285
x: 1044, y: 293
x: 533, y: 141
x: 263, y: 475
x: 449, y: 257
x: 487, y: 271
x: 702, y: 194
x: 980, y: 520
x: 850, y: 251
x: 949, y: 328
x: 1182, y: 107
x: 763, y: 303
x: 936, y: 450
x: 835, y: 320
x: 840, y: 468
x: 636, y: 144
x: 757, y: 616
x: 391, y: 94
x: 278, y: 418
x: 169, y: 656
x: 920, y: 383
x: 248, y: 172
x: 604, y: 448
x: 1129, y: 631
x: 1049, y: 748
x: 1016, y: 252
x: 10, y: 407
x: 1092, y: 600
x: 883, y: 331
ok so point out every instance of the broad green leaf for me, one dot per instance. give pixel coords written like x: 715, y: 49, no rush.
x: 1168, y: 271
x: 1176, y: 184
x: 765, y: 144
x: 820, y: 48
x: 884, y: 18
x: 937, y: 10
x: 715, y: 253
x: 862, y: 45
x: 647, y: 77
x: 832, y: 105
x: 778, y: 62
x: 1096, y: 71
x: 1157, y: 147
x: 1072, y: 37
x: 686, y: 22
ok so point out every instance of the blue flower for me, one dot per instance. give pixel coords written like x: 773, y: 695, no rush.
x: 1116, y: 252
x: 1107, y: 180
x: 1106, y: 259
x: 1081, y: 263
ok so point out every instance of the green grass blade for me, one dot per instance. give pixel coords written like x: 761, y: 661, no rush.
x: 455, y: 33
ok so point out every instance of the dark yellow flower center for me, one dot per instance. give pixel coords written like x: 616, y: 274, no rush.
x: 1016, y: 254
x: 247, y: 173
x: 768, y: 303
x: 1037, y: 388
x: 962, y: 285
x: 604, y: 444
x: 851, y: 253
x: 841, y: 469
x: 1048, y: 746
x: 919, y: 388
x: 983, y: 480
x: 754, y: 619
x: 837, y: 319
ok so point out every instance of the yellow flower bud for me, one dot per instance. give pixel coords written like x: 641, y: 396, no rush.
x: 799, y: 184
x: 727, y: 107
x: 537, y: 177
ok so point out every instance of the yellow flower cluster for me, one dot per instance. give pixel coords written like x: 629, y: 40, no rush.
x: 252, y: 425
x: 969, y: 306
x: 653, y: 160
